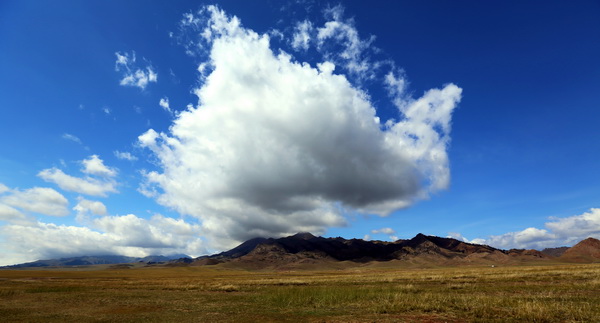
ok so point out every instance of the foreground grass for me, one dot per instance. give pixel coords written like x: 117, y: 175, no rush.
x: 547, y: 293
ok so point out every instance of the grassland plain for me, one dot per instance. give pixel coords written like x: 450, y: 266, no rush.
x: 533, y: 293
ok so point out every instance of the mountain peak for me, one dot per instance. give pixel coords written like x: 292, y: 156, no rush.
x: 590, y: 241
x: 303, y: 236
x: 419, y: 238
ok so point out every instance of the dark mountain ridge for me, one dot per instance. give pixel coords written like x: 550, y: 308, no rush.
x: 305, y: 247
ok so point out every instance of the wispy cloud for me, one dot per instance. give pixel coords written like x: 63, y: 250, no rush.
x: 302, y: 35
x: 132, y: 75
x: 164, y: 103
x: 100, y: 183
x: 338, y: 40
x: 384, y: 231
x: 125, y: 155
x: 73, y: 138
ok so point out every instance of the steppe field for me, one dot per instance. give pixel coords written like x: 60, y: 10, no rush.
x: 542, y: 293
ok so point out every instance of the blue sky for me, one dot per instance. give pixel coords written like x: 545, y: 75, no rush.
x: 151, y: 127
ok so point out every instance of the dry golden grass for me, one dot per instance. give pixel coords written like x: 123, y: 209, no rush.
x: 549, y: 293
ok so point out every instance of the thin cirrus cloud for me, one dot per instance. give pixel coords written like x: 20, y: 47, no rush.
x: 387, y: 231
x: 99, y: 179
x: 132, y: 75
x: 123, y: 155
x: 73, y: 138
x: 297, y: 146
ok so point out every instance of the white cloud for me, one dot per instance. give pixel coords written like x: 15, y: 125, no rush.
x: 95, y: 166
x: 560, y: 232
x: 125, y: 155
x: 528, y: 238
x: 276, y: 147
x: 148, y: 139
x: 41, y: 200
x: 11, y: 214
x: 73, y: 138
x: 164, y: 103
x: 127, y: 235
x: 302, y: 35
x: 87, y: 185
x: 578, y: 227
x: 355, y: 55
x: 396, y: 86
x: 85, y: 207
x: 123, y: 60
x: 458, y: 236
x: 133, y: 75
x: 387, y: 231
x: 391, y: 233
x: 101, y: 183
x: 24, y: 239
x: 68, y: 136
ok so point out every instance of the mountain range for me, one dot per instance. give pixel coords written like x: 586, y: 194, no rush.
x: 307, y: 250
x: 304, y: 250
x: 96, y: 260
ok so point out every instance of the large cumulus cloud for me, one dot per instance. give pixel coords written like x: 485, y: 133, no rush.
x: 276, y: 146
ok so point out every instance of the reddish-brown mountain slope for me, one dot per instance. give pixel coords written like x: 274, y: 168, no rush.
x: 587, y: 250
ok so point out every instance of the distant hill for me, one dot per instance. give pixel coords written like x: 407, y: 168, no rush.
x: 555, y: 252
x: 95, y: 260
x: 587, y: 250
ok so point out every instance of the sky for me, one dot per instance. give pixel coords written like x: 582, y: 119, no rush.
x: 150, y: 127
